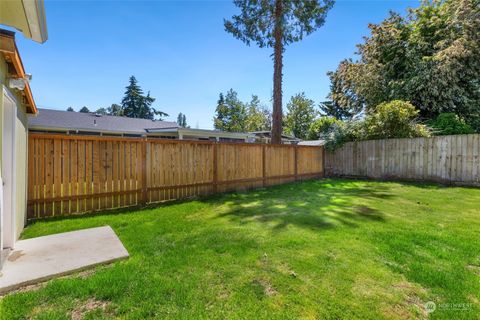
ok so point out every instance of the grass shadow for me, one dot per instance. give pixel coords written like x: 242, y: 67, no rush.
x: 314, y: 205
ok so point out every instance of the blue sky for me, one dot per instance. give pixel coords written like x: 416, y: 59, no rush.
x: 179, y: 51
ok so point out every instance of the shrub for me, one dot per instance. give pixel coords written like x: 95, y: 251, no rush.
x: 321, y: 127
x: 394, y: 119
x: 449, y: 123
x: 342, y: 132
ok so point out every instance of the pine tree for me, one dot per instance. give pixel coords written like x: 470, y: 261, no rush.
x: 276, y: 24
x: 220, y: 119
x: 230, y: 113
x: 84, y: 110
x: 333, y: 109
x: 300, y: 115
x: 182, y: 120
x: 133, y: 103
x: 137, y: 105
x: 70, y: 109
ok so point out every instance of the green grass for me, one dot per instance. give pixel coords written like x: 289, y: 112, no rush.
x: 329, y: 249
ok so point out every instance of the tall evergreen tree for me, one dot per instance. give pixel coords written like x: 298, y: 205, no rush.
x: 230, y: 114
x: 136, y: 105
x: 220, y: 120
x: 133, y: 103
x: 276, y: 24
x: 333, y: 109
x: 84, y: 110
x: 70, y: 109
x: 300, y: 115
x: 182, y: 120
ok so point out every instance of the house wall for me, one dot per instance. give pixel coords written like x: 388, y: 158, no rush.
x: 21, y: 130
x: 3, y: 71
x: 21, y: 140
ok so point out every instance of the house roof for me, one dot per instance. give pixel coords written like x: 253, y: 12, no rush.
x: 312, y: 143
x: 56, y: 120
x: 202, y: 132
x: 267, y: 134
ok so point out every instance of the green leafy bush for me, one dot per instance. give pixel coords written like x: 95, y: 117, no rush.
x: 342, y: 132
x: 394, y: 119
x: 449, y: 123
x: 320, y: 127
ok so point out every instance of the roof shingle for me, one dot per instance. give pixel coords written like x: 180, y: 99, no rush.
x: 68, y: 120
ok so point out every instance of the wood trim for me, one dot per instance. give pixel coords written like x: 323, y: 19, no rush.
x: 10, y: 52
x: 178, y: 186
x: 83, y: 196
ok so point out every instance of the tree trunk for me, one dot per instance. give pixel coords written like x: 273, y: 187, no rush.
x: 277, y: 75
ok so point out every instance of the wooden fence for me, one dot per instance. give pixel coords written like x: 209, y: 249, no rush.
x: 75, y: 174
x: 448, y: 159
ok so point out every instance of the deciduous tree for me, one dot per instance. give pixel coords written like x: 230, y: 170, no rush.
x: 115, y: 110
x: 259, y: 118
x: 430, y: 58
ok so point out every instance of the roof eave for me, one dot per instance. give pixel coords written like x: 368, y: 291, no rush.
x: 36, y: 19
x: 27, y: 16
x: 189, y: 131
x: 96, y: 130
x: 16, y: 70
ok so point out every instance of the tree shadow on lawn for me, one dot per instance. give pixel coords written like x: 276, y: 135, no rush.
x: 315, y: 205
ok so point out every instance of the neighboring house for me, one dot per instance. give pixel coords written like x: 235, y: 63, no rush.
x: 266, y: 137
x: 68, y: 122
x: 312, y: 143
x: 16, y: 103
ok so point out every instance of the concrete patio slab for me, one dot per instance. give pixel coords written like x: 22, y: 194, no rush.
x: 39, y: 259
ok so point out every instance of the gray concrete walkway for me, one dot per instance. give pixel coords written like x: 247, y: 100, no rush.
x: 39, y: 259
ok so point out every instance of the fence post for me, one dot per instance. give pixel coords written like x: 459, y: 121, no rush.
x: 296, y: 162
x: 264, y: 168
x: 324, y: 160
x: 215, y: 167
x: 144, y: 172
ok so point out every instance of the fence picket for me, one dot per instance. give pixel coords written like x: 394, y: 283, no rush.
x: 76, y: 174
x: 442, y: 158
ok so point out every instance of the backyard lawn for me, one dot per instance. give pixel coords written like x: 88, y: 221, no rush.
x: 328, y: 249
